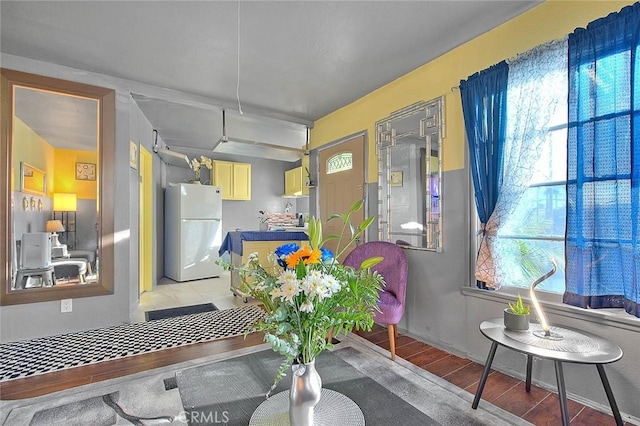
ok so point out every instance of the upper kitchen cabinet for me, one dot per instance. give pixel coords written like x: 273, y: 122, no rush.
x: 293, y: 182
x: 234, y: 179
x: 296, y: 181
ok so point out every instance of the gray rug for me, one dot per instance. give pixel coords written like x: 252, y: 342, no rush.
x: 179, y: 311
x: 227, y: 388
x: 233, y: 390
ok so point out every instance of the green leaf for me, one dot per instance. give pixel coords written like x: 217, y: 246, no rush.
x: 300, y: 270
x: 312, y: 227
x: 519, y: 307
x: 370, y: 262
x: 356, y: 206
x: 366, y: 223
x: 315, y: 232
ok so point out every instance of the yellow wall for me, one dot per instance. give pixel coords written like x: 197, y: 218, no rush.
x: 58, y: 164
x: 30, y: 148
x: 551, y: 20
x: 65, y: 173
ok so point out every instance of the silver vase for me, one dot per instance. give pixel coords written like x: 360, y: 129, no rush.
x: 306, y: 389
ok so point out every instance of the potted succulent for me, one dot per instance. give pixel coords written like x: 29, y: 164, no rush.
x: 516, y: 316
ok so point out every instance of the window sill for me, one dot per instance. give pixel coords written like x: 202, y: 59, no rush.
x: 612, y: 317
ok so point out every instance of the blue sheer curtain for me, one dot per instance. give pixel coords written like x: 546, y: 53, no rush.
x: 603, y: 170
x: 484, y: 109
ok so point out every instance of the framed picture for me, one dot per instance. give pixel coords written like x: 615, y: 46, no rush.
x: 85, y: 171
x: 396, y: 179
x: 133, y: 155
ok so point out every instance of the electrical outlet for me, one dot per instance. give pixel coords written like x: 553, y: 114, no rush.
x: 66, y: 305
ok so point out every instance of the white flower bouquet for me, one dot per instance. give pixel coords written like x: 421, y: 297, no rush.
x: 311, y: 294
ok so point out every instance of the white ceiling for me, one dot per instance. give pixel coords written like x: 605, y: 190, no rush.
x: 286, y: 61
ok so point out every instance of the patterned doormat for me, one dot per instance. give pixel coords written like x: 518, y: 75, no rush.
x: 27, y: 358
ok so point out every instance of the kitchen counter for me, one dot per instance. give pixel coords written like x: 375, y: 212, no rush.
x: 233, y: 241
x: 241, y: 244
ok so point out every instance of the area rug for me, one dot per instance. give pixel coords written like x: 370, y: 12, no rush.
x: 227, y: 388
x: 179, y: 311
x: 27, y: 358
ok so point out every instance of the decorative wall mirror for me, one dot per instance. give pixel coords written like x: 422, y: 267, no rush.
x: 409, y: 147
x: 47, y: 126
x: 32, y: 180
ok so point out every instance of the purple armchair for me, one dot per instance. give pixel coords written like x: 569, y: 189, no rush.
x: 394, y: 268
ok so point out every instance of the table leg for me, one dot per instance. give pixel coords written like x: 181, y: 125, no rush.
x: 529, y: 368
x: 607, y: 390
x: 485, y: 374
x: 562, y: 394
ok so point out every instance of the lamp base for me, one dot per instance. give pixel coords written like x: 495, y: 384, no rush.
x: 54, y: 241
x: 548, y: 335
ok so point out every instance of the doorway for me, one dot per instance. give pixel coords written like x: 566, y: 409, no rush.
x: 341, y: 178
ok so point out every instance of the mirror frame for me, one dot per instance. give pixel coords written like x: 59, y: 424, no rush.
x: 105, y: 201
x: 23, y: 187
x: 430, y: 115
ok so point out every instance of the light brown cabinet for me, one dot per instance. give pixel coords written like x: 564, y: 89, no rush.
x: 234, y: 179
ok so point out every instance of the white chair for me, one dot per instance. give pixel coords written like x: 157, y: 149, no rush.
x: 35, y: 261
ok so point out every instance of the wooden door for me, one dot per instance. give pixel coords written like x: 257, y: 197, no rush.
x: 341, y: 183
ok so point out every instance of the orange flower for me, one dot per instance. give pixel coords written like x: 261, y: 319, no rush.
x: 307, y: 254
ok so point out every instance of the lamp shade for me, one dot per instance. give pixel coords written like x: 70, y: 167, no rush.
x: 54, y: 226
x: 65, y: 202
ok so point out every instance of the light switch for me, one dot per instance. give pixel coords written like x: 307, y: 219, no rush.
x: 66, y: 305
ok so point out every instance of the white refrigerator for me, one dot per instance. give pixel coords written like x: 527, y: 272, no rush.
x: 192, y: 231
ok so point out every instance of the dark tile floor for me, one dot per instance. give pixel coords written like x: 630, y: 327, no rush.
x: 538, y: 406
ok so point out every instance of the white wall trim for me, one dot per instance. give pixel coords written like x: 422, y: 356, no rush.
x: 612, y: 317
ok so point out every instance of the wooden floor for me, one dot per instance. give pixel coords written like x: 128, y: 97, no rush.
x: 539, y: 406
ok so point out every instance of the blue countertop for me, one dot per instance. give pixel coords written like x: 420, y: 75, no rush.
x: 233, y: 241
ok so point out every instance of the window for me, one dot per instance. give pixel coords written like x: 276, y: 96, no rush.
x: 536, y: 227
x: 517, y: 123
x: 340, y: 163
x: 537, y: 224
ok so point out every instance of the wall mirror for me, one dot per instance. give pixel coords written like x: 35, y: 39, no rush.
x: 32, y: 180
x: 64, y: 250
x: 409, y: 147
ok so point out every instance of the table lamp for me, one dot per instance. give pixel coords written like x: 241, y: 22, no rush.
x: 546, y: 332
x: 54, y: 226
x: 63, y: 202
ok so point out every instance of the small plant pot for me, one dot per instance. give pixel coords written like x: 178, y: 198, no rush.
x: 515, y: 322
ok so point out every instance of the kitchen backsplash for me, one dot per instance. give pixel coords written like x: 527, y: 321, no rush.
x: 281, y: 220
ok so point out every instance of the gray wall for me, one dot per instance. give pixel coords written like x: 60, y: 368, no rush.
x: 443, y: 310
x: 43, y: 319
x: 30, y: 221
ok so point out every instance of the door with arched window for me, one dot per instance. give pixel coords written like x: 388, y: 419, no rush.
x: 341, y: 183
